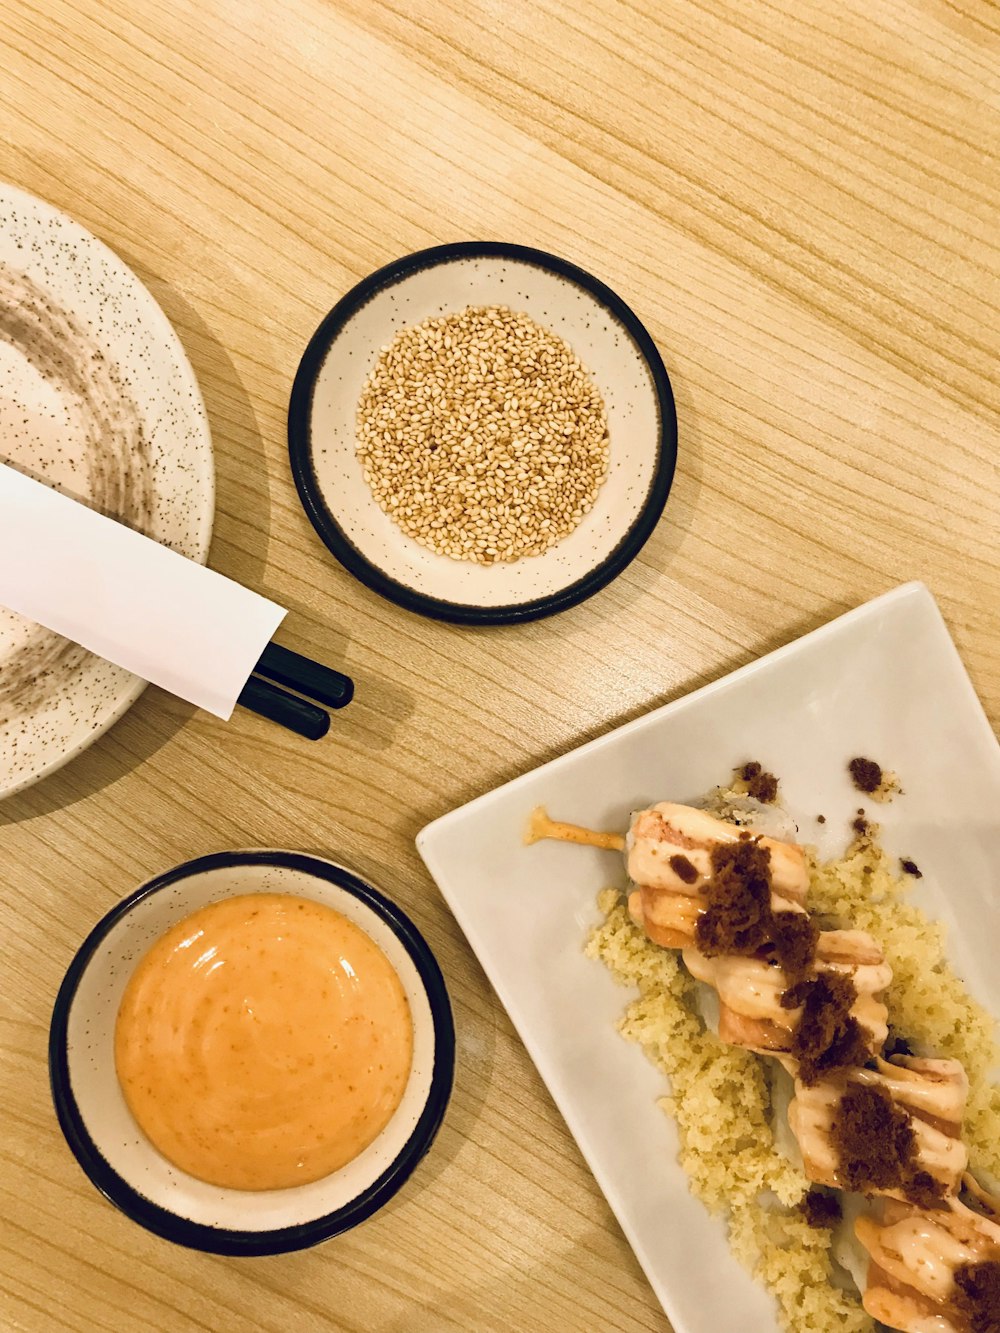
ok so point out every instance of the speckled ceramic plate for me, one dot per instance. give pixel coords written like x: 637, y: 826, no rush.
x: 613, y: 346
x: 98, y: 398
x: 125, y: 1166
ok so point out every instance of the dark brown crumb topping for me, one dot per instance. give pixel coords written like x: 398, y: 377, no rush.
x: 738, y: 918
x: 761, y: 786
x: 873, y: 1139
x: 821, y: 819
x: 977, y: 1295
x: 828, y: 1036
x: 910, y: 867
x: 861, y: 826
x: 865, y: 774
x: 876, y: 1146
x: 922, y: 1189
x: 684, y: 869
x: 794, y: 944
x: 820, y: 1208
x: 896, y: 1045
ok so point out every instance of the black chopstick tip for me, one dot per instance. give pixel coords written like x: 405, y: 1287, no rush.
x: 312, y: 679
x: 287, y: 710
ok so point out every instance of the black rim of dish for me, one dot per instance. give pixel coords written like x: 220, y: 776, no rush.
x: 333, y: 535
x: 218, y: 1240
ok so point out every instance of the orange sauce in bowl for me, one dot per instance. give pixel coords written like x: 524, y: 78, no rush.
x: 263, y: 1042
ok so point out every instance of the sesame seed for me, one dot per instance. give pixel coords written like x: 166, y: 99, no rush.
x: 482, y: 435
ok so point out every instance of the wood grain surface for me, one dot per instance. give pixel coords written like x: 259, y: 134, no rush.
x: 800, y: 200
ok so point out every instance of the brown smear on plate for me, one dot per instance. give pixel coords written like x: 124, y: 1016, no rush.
x: 118, y: 478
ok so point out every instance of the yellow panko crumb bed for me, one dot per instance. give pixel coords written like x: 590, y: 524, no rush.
x: 720, y: 1097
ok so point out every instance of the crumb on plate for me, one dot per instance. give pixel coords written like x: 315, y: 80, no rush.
x: 875, y: 781
x: 760, y: 785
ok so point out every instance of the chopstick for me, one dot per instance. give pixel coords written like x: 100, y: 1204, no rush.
x: 310, y: 678
x: 279, y: 666
x: 288, y: 710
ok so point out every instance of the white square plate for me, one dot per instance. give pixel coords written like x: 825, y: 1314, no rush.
x: 884, y: 681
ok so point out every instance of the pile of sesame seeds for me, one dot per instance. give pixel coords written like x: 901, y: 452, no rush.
x: 482, y: 435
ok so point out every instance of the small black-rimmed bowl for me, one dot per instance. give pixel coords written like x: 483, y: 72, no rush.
x: 124, y: 1165
x: 610, y: 341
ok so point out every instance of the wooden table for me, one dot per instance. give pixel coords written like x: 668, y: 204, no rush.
x: 801, y: 202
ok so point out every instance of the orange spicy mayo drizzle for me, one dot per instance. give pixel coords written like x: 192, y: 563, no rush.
x: 263, y: 1042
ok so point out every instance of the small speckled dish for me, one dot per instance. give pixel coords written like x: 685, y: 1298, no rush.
x: 98, y: 399
x: 124, y: 1165
x: 612, y: 344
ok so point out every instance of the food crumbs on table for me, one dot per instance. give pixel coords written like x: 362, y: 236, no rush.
x: 820, y: 1208
x: 821, y: 819
x: 482, y: 435
x: 761, y: 786
x: 910, y: 867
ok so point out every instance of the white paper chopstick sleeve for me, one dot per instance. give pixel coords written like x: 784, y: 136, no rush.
x: 127, y: 598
